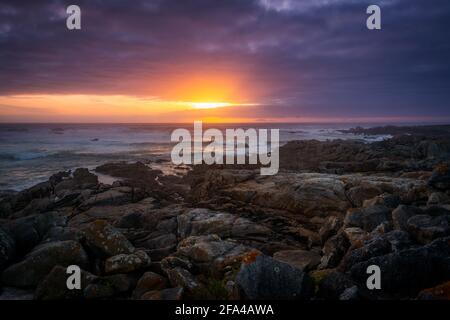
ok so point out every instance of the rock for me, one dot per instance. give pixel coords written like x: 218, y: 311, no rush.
x: 7, y: 249
x: 84, y: 179
x: 440, y: 178
x: 333, y: 251
x: 179, y: 277
x: 29, y: 231
x: 386, y: 199
x: 300, y: 259
x: 371, y: 248
x: 209, y: 254
x: 359, y: 194
x: 424, y: 228
x: 356, y: 236
x: 408, y: 271
x: 163, y: 241
x: 351, y: 293
x: 125, y: 263
x: 309, y: 194
x: 149, y: 281
x: 399, y: 239
x: 198, y: 222
x: 130, y: 171
x: 266, y: 278
x: 41, y: 260
x: 54, y: 285
x: 111, y: 197
x: 166, y: 294
x: 173, y: 262
x: 438, y: 198
x: 401, y: 215
x: 105, y: 241
x: 367, y: 218
x: 7, y: 293
x: 334, y: 284
x: 329, y: 228
x: 440, y: 292
x: 109, y: 286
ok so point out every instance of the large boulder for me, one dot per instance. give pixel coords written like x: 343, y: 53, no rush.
x: 440, y: 178
x: 38, y: 263
x: 106, y: 241
x: 125, y: 263
x: 333, y: 251
x: 180, y: 277
x: 358, y: 194
x: 29, y: 231
x: 267, y: 278
x: 300, y: 259
x: 148, y: 282
x: 109, y: 286
x: 408, y: 271
x: 198, y: 222
x: 425, y: 228
x: 367, y: 218
x: 401, y: 215
x: 333, y: 285
x: 54, y: 285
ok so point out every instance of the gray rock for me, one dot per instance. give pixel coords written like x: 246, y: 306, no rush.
x: 125, y: 263
x: 300, y: 259
x: 163, y: 241
x: 7, y: 293
x: 333, y: 251
x: 371, y: 248
x: 334, y: 285
x: 351, y: 293
x: 106, y: 241
x: 440, y: 178
x: 266, y: 278
x: 410, y: 270
x: 28, y: 232
x: 388, y: 200
x: 41, y: 260
x: 424, y: 228
x: 367, y: 218
x: 401, y: 215
x: 438, y: 198
x: 399, y: 240
x: 54, y: 286
x: 148, y: 282
x: 109, y: 286
x: 179, y: 277
x: 357, y: 195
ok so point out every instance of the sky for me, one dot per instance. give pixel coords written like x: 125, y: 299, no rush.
x: 225, y: 61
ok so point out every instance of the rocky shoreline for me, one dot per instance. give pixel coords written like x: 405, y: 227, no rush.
x: 225, y: 232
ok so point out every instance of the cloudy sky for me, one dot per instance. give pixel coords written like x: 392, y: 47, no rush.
x: 224, y: 60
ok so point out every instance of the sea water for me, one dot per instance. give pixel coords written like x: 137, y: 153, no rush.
x: 30, y: 153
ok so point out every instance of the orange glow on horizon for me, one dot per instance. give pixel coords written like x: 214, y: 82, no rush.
x: 108, y: 108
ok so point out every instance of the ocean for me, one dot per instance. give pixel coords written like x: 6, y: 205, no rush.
x: 30, y: 153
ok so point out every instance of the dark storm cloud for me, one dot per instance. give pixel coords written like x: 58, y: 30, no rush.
x: 299, y: 58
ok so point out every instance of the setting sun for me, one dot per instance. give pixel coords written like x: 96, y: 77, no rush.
x: 210, y: 105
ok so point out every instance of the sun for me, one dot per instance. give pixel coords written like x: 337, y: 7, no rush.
x: 209, y: 105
